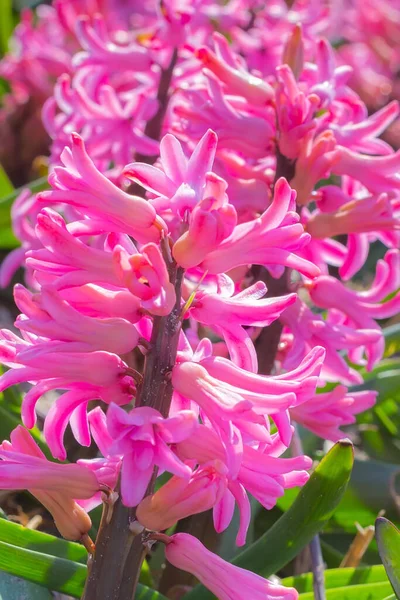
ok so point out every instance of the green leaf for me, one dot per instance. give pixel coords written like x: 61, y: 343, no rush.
x: 13, y: 588
x: 308, y: 514
x: 370, y: 591
x: 30, y: 539
x: 53, y: 573
x: 388, y: 539
x: 335, y: 578
x: 6, y: 25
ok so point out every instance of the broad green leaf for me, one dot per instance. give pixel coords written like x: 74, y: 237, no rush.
x: 388, y: 539
x: 370, y: 591
x: 308, y: 514
x: 335, y: 578
x: 6, y: 24
x: 53, y: 573
x: 13, y: 588
x: 30, y: 539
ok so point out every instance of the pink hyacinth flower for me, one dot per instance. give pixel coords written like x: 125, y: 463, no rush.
x: 142, y: 437
x: 180, y: 498
x: 228, y: 314
x: 65, y: 260
x: 146, y: 276
x: 360, y: 309
x: 223, y: 579
x: 229, y: 69
x: 272, y: 239
x: 306, y: 330
x: 327, y: 412
x: 180, y: 183
x: 49, y: 316
x: 210, y: 222
x: 24, y: 466
x: 79, y: 184
x: 261, y: 473
x: 356, y: 216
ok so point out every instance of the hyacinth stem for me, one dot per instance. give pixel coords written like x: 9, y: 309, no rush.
x: 115, y: 568
x: 317, y: 560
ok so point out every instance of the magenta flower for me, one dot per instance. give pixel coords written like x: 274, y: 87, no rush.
x: 307, y: 330
x: 142, y: 437
x: 65, y: 260
x: 269, y: 240
x: 360, y: 309
x: 100, y: 50
x: 357, y: 216
x: 49, y: 316
x: 327, y: 412
x: 180, y: 183
x: 81, y: 185
x: 210, y: 222
x: 228, y: 313
x: 259, y: 472
x: 224, y: 580
x: 228, y: 68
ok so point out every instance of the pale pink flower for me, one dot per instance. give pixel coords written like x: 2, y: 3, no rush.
x: 223, y: 579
